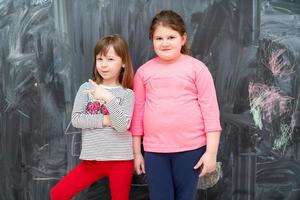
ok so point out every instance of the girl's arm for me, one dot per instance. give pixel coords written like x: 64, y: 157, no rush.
x: 120, y: 113
x: 210, y: 111
x: 137, y: 128
x: 212, y: 142
x: 209, y: 158
x: 139, y: 163
x: 207, y: 100
x: 120, y: 110
x: 80, y: 117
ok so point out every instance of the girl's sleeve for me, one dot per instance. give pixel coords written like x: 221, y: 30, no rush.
x: 136, y: 127
x: 208, y: 100
x: 120, y: 112
x: 80, y: 118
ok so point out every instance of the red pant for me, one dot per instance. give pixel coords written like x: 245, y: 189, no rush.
x: 86, y: 172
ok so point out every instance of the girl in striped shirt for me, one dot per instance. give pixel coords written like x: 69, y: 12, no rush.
x: 102, y: 109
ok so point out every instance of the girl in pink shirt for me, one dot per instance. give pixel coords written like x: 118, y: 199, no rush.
x: 176, y: 114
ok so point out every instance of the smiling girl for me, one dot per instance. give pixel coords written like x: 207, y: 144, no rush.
x: 176, y: 114
x: 102, y: 109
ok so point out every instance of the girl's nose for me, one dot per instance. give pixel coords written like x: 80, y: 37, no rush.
x: 165, y: 43
x: 103, y: 64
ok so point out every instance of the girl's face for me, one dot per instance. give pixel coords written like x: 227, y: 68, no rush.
x: 167, y: 43
x: 109, y: 67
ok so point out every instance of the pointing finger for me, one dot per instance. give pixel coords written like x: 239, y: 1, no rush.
x: 87, y: 91
x: 93, y: 82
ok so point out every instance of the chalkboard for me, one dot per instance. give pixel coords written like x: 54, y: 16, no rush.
x: 250, y: 46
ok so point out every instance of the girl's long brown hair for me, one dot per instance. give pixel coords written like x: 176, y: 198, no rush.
x: 122, y: 50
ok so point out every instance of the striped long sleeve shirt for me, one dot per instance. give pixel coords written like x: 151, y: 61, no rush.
x: 99, y: 142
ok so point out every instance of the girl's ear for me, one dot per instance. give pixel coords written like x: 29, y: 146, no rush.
x: 184, y: 38
x: 123, y: 65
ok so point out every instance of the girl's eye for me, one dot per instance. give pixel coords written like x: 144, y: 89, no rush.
x: 158, y: 38
x: 171, y: 37
x: 99, y: 59
x: 110, y: 59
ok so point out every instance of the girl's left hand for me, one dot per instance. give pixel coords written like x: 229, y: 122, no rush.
x: 208, y: 163
x: 98, y: 92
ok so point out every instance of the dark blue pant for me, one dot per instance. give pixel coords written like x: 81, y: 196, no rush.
x: 171, y: 176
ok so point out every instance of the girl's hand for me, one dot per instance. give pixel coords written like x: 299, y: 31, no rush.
x: 99, y: 93
x: 139, y: 164
x: 208, y: 163
x: 106, y: 121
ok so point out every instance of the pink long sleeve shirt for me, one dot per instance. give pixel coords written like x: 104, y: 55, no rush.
x: 175, y: 105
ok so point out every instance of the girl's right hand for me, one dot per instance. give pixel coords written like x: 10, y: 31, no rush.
x: 98, y: 92
x: 139, y: 164
x: 106, y: 121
